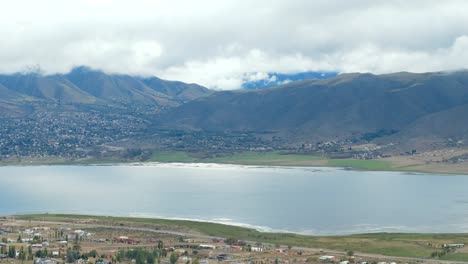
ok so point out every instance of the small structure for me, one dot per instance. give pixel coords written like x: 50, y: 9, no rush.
x: 256, y: 249
x: 327, y: 258
x: 205, y: 246
x: 222, y: 257
x: 454, y: 245
x: 125, y: 240
x: 44, y: 261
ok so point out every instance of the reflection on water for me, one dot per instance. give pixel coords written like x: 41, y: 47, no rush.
x: 309, y: 200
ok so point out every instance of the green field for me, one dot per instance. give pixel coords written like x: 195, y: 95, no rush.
x: 395, y: 244
x: 273, y: 158
x: 172, y: 156
x: 456, y: 257
x: 374, y: 165
x: 244, y: 158
x: 267, y: 158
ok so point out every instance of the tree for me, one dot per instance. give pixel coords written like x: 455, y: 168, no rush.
x: 173, y: 258
x: 76, y: 246
x: 196, y: 261
x: 150, y: 259
x: 140, y: 257
x: 30, y: 254
x: 22, y: 255
x: 350, y: 253
x: 12, y: 252
x: 72, y: 256
x: 93, y: 253
x: 119, y: 255
x: 160, y: 245
x: 230, y: 241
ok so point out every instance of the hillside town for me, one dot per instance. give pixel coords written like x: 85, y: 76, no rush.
x: 35, y: 242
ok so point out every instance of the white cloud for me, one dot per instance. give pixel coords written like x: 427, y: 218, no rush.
x: 221, y: 43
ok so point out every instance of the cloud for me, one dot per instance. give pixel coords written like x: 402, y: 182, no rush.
x: 220, y: 44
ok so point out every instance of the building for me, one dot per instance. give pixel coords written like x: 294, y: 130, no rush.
x: 454, y: 245
x: 327, y: 258
x: 44, y: 261
x: 256, y: 249
x: 204, y: 246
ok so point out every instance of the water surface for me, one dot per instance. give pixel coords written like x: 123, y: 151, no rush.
x: 306, y: 200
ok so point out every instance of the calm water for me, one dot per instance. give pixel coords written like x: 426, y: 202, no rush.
x: 307, y: 200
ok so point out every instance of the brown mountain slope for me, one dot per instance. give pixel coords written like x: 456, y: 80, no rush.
x: 343, y: 107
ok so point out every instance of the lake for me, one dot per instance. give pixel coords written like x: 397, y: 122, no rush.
x: 303, y: 200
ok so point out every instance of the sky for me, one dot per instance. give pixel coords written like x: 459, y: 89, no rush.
x: 224, y: 43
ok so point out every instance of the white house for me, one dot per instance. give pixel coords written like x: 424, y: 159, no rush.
x: 256, y: 249
x: 204, y: 246
x: 327, y: 258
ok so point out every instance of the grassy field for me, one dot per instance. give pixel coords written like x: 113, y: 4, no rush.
x: 172, y: 156
x: 375, y: 165
x: 396, y: 244
x: 275, y: 158
x: 269, y: 158
x: 244, y: 158
x: 456, y: 257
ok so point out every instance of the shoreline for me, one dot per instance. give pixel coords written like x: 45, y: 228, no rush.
x: 223, y: 222
x: 257, y: 165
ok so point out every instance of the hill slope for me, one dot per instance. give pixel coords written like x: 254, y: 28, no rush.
x: 86, y: 86
x: 345, y: 107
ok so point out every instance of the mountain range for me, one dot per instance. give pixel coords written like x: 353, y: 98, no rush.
x: 410, y: 108
x: 85, y: 86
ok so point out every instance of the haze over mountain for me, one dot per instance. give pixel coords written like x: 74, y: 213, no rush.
x: 402, y: 106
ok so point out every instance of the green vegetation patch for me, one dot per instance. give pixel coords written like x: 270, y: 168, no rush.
x: 265, y: 158
x: 456, y: 257
x: 172, y: 156
x: 376, y: 165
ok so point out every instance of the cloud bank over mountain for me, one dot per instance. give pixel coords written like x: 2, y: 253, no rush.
x: 222, y: 45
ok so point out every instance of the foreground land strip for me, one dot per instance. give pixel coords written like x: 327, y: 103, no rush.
x: 402, y: 247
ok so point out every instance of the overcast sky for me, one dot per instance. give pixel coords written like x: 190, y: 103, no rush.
x: 221, y: 43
